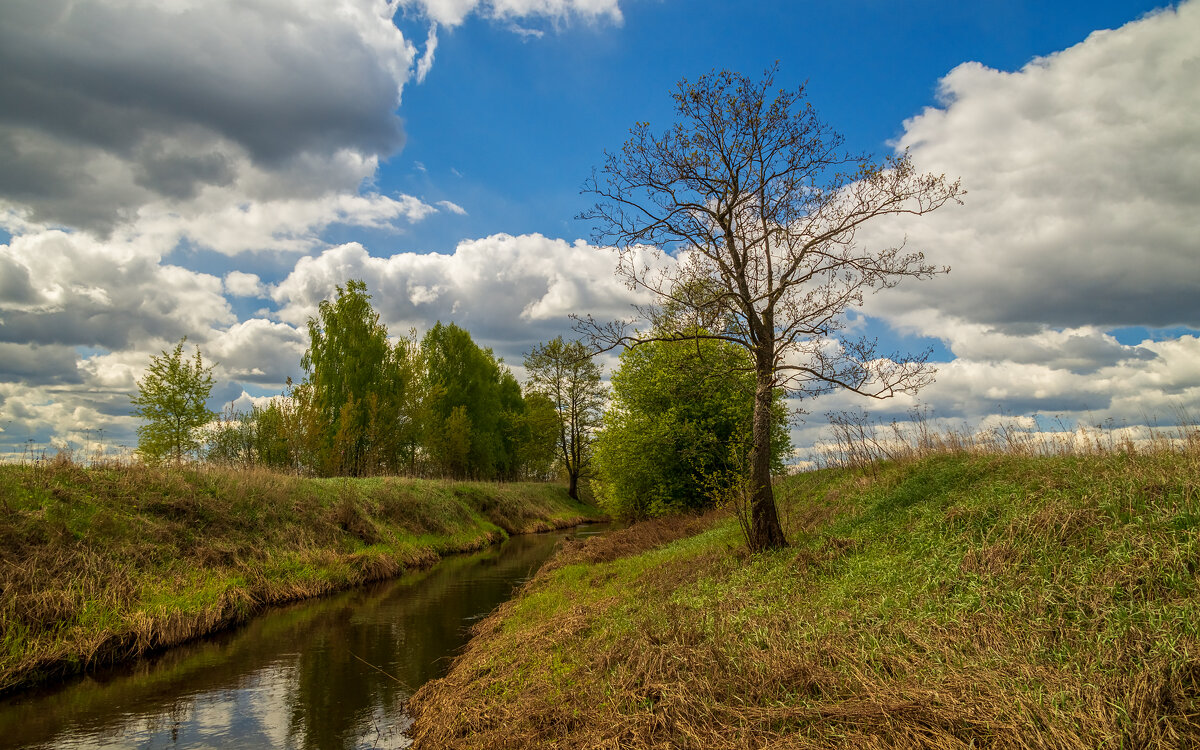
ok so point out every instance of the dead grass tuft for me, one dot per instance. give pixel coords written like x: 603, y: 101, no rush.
x: 992, y: 560
x: 631, y: 540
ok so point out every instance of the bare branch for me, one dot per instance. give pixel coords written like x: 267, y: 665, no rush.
x: 759, y: 206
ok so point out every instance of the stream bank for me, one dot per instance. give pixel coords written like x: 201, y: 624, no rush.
x: 327, y: 672
x: 103, y: 565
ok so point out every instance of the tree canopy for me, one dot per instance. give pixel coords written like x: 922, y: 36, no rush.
x: 172, y: 400
x: 680, y: 414
x: 355, y: 387
x: 478, y: 422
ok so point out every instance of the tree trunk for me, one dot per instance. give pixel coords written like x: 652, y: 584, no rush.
x: 765, y: 531
x: 573, y: 488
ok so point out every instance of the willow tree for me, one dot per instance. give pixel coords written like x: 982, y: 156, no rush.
x: 760, y: 209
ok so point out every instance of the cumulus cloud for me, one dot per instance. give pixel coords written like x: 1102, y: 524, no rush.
x: 241, y: 284
x: 78, y: 415
x: 258, y: 351
x: 89, y: 293
x: 1131, y: 389
x: 39, y: 365
x: 107, y: 106
x: 1082, y: 169
x: 509, y: 291
x: 134, y: 132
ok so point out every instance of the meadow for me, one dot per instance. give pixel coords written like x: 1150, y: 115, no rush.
x: 953, y: 592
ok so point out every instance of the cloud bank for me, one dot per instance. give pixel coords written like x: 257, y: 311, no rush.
x: 1082, y: 169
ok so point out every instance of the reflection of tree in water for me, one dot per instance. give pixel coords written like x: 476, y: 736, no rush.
x: 303, y: 658
x: 409, y: 634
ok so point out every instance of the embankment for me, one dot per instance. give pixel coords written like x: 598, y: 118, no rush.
x: 103, y: 564
x: 957, y: 601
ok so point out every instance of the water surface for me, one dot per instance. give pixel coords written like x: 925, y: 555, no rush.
x: 328, y: 673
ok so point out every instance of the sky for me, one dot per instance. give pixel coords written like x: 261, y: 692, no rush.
x: 214, y: 169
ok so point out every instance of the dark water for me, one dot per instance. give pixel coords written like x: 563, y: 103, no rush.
x: 330, y: 673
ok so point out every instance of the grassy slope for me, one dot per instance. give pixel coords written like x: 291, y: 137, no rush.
x: 104, y: 564
x: 954, y: 602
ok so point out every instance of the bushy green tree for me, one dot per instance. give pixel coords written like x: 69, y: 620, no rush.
x: 538, y: 428
x: 172, y: 400
x: 274, y: 428
x: 473, y: 393
x: 230, y: 440
x: 263, y: 436
x: 355, y: 388
x: 565, y: 373
x: 681, y: 412
x: 368, y: 406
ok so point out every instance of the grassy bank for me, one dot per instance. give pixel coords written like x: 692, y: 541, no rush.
x: 104, y: 564
x: 954, y: 601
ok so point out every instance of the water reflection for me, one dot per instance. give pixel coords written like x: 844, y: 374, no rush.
x: 322, y: 674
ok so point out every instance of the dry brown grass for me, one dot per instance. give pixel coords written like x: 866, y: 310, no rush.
x: 953, y: 602
x: 627, y: 541
x: 106, y: 563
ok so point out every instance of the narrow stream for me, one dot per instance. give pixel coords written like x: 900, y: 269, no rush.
x: 328, y: 673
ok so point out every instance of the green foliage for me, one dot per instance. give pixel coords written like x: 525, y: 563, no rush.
x: 264, y: 436
x: 477, y: 422
x: 680, y: 413
x: 171, y: 398
x: 565, y: 374
x: 450, y: 446
x: 442, y: 406
x: 230, y: 440
x: 355, y: 389
x: 538, y: 436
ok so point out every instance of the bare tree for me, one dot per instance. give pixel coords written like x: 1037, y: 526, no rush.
x: 760, y: 208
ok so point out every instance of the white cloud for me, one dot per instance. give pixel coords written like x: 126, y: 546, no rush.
x: 1082, y: 170
x: 258, y: 351
x: 230, y: 126
x: 453, y: 12
x: 508, y: 291
x: 973, y: 394
x: 86, y: 292
x: 425, y: 64
x: 170, y: 100
x: 240, y: 284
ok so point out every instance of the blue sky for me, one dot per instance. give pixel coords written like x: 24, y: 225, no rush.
x: 213, y: 170
x: 523, y: 120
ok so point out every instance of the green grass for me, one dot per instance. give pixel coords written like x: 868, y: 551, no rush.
x: 101, y: 564
x: 952, y: 601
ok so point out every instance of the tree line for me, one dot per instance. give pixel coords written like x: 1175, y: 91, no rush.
x: 369, y: 405
x: 677, y: 415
